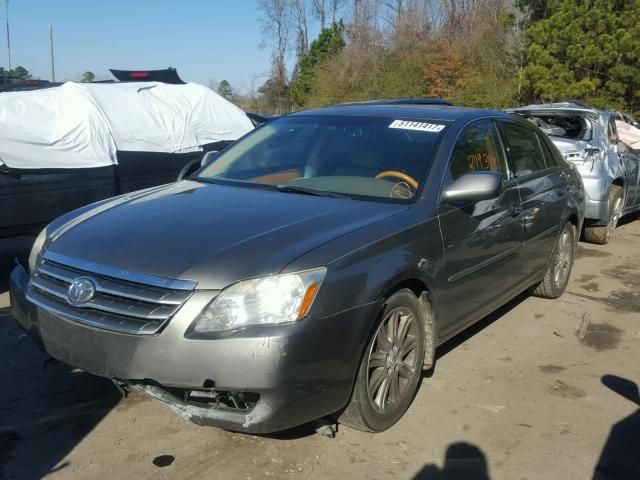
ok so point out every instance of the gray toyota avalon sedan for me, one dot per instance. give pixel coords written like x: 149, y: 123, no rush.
x: 311, y: 269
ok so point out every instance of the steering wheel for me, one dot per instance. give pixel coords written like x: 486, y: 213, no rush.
x: 401, y: 175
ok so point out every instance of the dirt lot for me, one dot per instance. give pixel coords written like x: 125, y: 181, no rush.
x: 539, y: 390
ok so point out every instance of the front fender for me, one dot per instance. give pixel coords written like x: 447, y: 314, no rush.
x: 363, y: 267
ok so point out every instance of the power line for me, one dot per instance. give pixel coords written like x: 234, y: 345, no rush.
x: 53, y: 69
x: 6, y: 6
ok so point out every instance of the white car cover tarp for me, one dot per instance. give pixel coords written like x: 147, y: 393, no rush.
x: 629, y: 135
x: 82, y: 125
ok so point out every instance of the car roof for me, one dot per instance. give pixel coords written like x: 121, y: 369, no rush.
x: 401, y: 111
x: 568, y: 107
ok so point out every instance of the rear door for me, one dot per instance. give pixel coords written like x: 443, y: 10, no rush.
x: 543, y: 191
x: 483, y: 239
x: 630, y: 162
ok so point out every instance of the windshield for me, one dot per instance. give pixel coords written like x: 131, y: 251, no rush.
x: 350, y: 156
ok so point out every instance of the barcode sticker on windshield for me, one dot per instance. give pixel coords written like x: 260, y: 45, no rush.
x: 419, y: 126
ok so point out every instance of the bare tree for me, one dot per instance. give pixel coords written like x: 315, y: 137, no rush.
x: 275, y: 16
x: 299, y: 15
x: 335, y: 6
x: 276, y: 20
x: 319, y: 8
x: 364, y: 30
x: 409, y: 22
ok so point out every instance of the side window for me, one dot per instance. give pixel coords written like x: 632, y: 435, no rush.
x: 612, y: 131
x: 477, y: 149
x: 550, y: 157
x: 524, y: 149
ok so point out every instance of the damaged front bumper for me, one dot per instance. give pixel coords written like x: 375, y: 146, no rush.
x: 258, y: 380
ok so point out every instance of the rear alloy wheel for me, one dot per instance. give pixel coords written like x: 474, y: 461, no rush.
x: 602, y: 235
x: 391, y: 366
x: 559, y: 270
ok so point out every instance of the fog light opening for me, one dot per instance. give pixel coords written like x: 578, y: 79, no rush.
x: 209, y: 384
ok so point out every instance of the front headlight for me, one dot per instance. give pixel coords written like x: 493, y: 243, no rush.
x: 262, y: 301
x: 36, y: 249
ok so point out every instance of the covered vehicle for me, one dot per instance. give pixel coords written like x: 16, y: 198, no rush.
x: 77, y: 143
x: 610, y: 168
x: 324, y: 257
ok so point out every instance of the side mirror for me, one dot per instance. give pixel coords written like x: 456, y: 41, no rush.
x: 209, y: 157
x: 473, y: 187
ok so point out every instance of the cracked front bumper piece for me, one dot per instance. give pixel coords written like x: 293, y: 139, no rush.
x: 259, y: 380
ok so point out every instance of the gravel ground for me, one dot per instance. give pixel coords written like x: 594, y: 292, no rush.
x: 538, y: 390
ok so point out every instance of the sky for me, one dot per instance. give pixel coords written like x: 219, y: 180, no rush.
x: 204, y: 39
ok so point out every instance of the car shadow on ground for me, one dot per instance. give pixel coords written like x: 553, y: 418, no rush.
x: 309, y: 428
x: 46, y: 407
x: 474, y: 329
x: 629, y: 218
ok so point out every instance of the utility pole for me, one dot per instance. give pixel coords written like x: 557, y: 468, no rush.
x: 6, y: 7
x: 53, y: 68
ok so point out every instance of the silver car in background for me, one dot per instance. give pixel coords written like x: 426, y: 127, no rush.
x: 588, y: 138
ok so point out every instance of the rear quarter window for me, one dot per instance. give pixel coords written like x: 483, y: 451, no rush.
x: 550, y: 152
x: 525, y: 151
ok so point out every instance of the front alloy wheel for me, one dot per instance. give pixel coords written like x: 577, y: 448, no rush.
x: 391, y: 366
x: 392, y: 359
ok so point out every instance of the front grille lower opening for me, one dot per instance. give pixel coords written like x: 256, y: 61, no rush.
x: 209, y: 398
x: 222, y: 399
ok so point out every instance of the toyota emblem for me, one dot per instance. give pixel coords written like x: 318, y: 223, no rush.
x: 81, y: 291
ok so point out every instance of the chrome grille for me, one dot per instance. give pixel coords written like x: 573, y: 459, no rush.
x: 118, y: 305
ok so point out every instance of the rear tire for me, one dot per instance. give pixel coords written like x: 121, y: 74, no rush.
x: 559, y: 270
x: 602, y: 235
x: 391, y: 366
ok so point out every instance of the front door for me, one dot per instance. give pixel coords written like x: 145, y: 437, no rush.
x: 483, y: 239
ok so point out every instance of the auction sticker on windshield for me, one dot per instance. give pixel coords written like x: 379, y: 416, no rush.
x: 419, y: 126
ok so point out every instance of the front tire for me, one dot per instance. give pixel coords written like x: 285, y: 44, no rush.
x: 558, y: 272
x: 602, y: 235
x: 391, y: 366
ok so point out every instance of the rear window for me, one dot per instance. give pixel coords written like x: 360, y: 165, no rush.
x: 573, y: 127
x: 524, y: 147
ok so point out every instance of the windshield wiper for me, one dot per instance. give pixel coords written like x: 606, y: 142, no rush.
x: 310, y: 191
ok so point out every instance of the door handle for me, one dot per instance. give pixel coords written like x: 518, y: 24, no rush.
x: 515, y: 210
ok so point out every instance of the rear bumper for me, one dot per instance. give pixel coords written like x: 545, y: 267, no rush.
x: 596, y: 200
x: 301, y: 371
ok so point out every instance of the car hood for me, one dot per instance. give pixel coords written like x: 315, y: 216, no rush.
x: 209, y: 233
